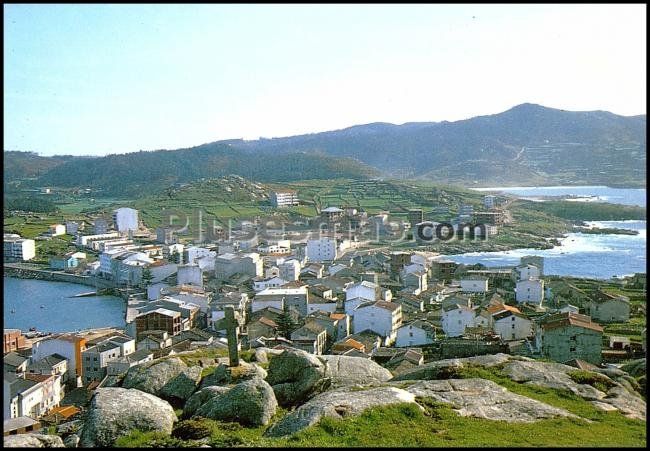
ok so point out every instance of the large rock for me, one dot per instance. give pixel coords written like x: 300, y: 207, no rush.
x: 33, y: 441
x: 71, y: 441
x: 338, y: 403
x: 224, y: 374
x: 263, y: 355
x: 169, y: 378
x: 345, y: 370
x: 441, y: 368
x: 115, y: 411
x: 201, y: 397
x: 296, y: 376
x: 482, y: 398
x: 251, y: 402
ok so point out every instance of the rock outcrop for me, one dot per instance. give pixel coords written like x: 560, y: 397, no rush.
x: 345, y: 370
x: 31, y: 440
x: 224, y: 374
x: 338, y: 403
x: 440, y: 368
x: 115, y: 411
x: 482, y: 398
x: 169, y: 378
x: 201, y: 397
x: 250, y: 402
x: 296, y: 376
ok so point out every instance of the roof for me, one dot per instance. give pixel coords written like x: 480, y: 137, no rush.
x: 351, y: 342
x: 161, y: 311
x: 392, y: 306
x: 601, y: 296
x: 499, y: 307
x: 570, y: 319
x: 13, y: 359
x: 332, y: 210
x: 267, y: 322
x: 507, y: 313
x: 64, y: 411
x: 337, y: 315
x: 48, y: 362
x: 421, y: 324
x: 18, y: 423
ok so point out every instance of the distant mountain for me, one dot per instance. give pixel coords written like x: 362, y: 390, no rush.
x: 526, y: 145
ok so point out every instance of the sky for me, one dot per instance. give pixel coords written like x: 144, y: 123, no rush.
x: 102, y: 79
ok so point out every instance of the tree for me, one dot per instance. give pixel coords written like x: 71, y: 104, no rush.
x: 286, y: 324
x: 147, y: 277
x: 175, y: 256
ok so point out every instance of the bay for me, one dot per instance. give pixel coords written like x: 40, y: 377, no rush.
x: 579, y: 254
x: 60, y: 312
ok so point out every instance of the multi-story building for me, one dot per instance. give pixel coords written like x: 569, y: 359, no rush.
x: 12, y: 340
x: 159, y: 319
x: 56, y: 230
x: 227, y: 265
x: 567, y: 336
x: 381, y: 317
x: 415, y: 216
x: 281, y: 298
x: 289, y: 270
x: 125, y: 219
x: 323, y: 249
x: 17, y: 248
x: 284, y: 198
x: 608, y: 308
x: 530, y: 291
x: 489, y: 201
x: 69, y: 346
x: 415, y: 333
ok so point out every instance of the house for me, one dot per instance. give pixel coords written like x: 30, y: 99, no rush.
x: 415, y: 333
x: 284, y: 198
x: 510, y: 325
x: 369, y: 339
x: 381, y: 317
x: 189, y: 312
x: 271, y: 282
x: 12, y: 340
x: 311, y: 337
x: 122, y: 364
x: 474, y: 285
x: 125, y: 219
x: 238, y: 300
x: 154, y: 340
x: 69, y: 346
x: 189, y: 294
x: 17, y: 248
x: 415, y: 279
x: 289, y: 270
x: 297, y: 298
x: 95, y: 360
x: 311, y: 271
x: 343, y: 324
x: 64, y: 262
x: 363, y: 289
x: 347, y: 344
x: 15, y: 363
x: 56, y: 230
x: 189, y: 275
x: 455, y: 318
x: 324, y: 320
x: 405, y: 360
x: 159, y: 319
x: 262, y: 327
x: 567, y: 336
x: 608, y: 308
x: 31, y: 395
x: 530, y: 291
x: 526, y: 272
x: 323, y: 249
x: 54, y: 364
x: 226, y: 265
x: 350, y: 305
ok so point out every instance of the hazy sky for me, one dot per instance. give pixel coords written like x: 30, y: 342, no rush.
x: 98, y: 79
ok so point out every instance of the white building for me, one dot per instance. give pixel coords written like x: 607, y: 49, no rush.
x: 87, y: 240
x: 17, y: 248
x: 271, y: 282
x: 475, y: 285
x: 455, y: 318
x: 189, y: 275
x: 416, y: 333
x: 297, y: 298
x: 526, y: 272
x: 284, y: 198
x: 289, y: 270
x: 512, y: 326
x: 530, y: 291
x: 71, y: 227
x: 363, y: 289
x: 351, y: 304
x: 31, y: 395
x: 324, y: 249
x: 383, y: 318
x: 56, y: 230
x: 125, y: 219
x: 66, y: 345
x: 190, y: 254
x: 489, y: 201
x: 228, y: 264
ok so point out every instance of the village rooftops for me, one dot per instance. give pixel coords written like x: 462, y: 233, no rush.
x: 338, y: 316
x: 497, y: 308
x: 601, y: 296
x: 283, y: 291
x: 46, y: 363
x: 268, y: 322
x: 13, y: 359
x: 508, y: 313
x: 162, y: 311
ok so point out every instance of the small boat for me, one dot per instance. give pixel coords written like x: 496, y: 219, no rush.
x: 42, y: 306
x: 13, y: 310
x: 32, y: 329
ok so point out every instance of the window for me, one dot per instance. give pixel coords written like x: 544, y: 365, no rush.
x: 572, y: 349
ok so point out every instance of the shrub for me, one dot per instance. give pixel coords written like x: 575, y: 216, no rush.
x: 191, y: 430
x: 596, y: 380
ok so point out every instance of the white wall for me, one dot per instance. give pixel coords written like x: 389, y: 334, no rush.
x: 455, y: 321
